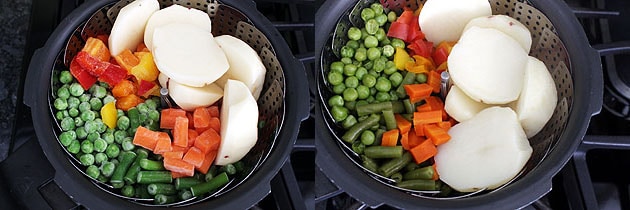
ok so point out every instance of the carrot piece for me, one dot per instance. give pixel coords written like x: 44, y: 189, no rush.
x: 213, y: 110
x: 434, y: 80
x: 444, y: 125
x: 145, y: 138
x: 390, y: 138
x: 404, y: 140
x: 175, y: 148
x: 194, y: 156
x: 176, y: 175
x: 192, y: 135
x: 423, y: 108
x: 168, y: 116
x: 413, y: 139
x: 97, y: 48
x: 191, y: 120
x: 215, y: 124
x: 423, y: 151
x: 163, y: 143
x: 173, y: 154
x: 417, y: 92
x: 403, y: 124
x: 436, y: 134
x: 422, y: 118
x: 180, y: 132
x: 127, y: 59
x: 207, y: 141
x: 179, y: 166
x: 436, y: 104
x: 201, y: 117
x: 207, y: 162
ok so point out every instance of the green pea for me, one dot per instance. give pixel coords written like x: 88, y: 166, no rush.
x: 363, y: 91
x: 103, y: 84
x: 87, y: 159
x: 380, y: 64
x: 335, y: 78
x: 383, y: 84
x: 59, y: 115
x: 100, y: 145
x: 142, y: 108
x: 397, y: 43
x: 360, y: 54
x: 382, y: 96
x: 368, y: 137
x: 98, y: 91
x: 88, y: 115
x: 421, y: 78
x: 350, y: 105
x: 119, y: 136
x: 93, y: 136
x: 352, y: 44
x: 358, y: 147
x: 370, y: 41
x: 84, y: 97
x: 87, y: 146
x: 85, y: 106
x: 349, y: 70
x: 76, y: 89
x: 67, y: 124
x: 371, y: 26
x: 380, y: 34
x: 346, y: 60
x: 60, y: 104
x: 335, y: 100
x: 108, y: 168
x: 100, y: 158
x: 65, y: 77
x: 74, y: 147
x: 388, y: 51
x: 122, y: 123
x: 393, y: 95
x: 369, y: 80
x: 151, y: 104
x: 368, y: 65
x: 127, y: 145
x: 370, y: 98
x: 339, y: 113
x: 373, y: 53
x: 81, y: 133
x: 96, y: 104
x: 92, y: 171
x: 349, y: 122
x: 63, y: 93
x: 154, y: 115
x: 119, y: 113
x: 338, y: 89
x: 391, y: 16
x: 390, y: 68
x: 367, y: 14
x: 73, y: 112
x: 108, y: 136
x: 67, y: 137
x: 381, y: 19
x: 377, y: 8
x: 347, y: 52
x: 385, y: 41
x: 101, y: 126
x: 78, y: 121
x: 350, y: 94
x: 108, y: 99
x: 351, y: 82
x: 112, y: 151
x: 354, y: 33
x: 396, y: 79
x: 337, y: 66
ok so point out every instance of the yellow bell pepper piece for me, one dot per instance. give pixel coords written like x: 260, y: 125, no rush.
x: 109, y: 114
x: 400, y: 58
x: 146, y: 69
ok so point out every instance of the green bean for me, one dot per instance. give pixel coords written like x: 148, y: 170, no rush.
x: 379, y: 136
x: 390, y: 120
x: 151, y: 165
x: 397, y: 177
x: 186, y: 182
x: 134, y: 119
x: 128, y: 191
x: 354, y: 132
x: 213, y: 184
x: 87, y: 146
x: 161, y: 188
x: 92, y: 171
x: 409, y: 78
x: 127, y: 158
x: 358, y: 147
x: 142, y: 192
x: 67, y: 137
x: 132, y: 173
x: 394, y: 165
x: 230, y: 169
x: 164, y: 199
x: 373, y: 108
x: 76, y: 89
x: 420, y: 173
x: 212, y: 172
x: 417, y: 184
x: 184, y: 194
x: 108, y: 168
x: 369, y: 163
x: 411, y: 166
x: 368, y: 137
x: 354, y: 33
x: 378, y: 152
x: 409, y: 107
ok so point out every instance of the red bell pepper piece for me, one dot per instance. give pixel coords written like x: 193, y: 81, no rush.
x: 146, y: 88
x: 113, y: 74
x: 398, y: 30
x: 421, y: 47
x: 92, y: 64
x: 439, y: 56
x: 414, y: 30
x: 407, y: 17
x: 81, y: 74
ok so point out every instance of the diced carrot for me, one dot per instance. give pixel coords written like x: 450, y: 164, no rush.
x: 194, y: 156
x: 145, y: 138
x: 176, y: 175
x: 423, y: 108
x: 207, y: 141
x: 215, y: 124
x: 423, y: 151
x: 200, y: 130
x: 444, y: 125
x: 175, y: 148
x: 127, y: 60
x: 180, y: 132
x: 168, y: 116
x: 417, y: 92
x: 436, y: 104
x: 427, y: 117
x: 436, y: 134
x: 390, y: 138
x: 173, y: 154
x: 207, y: 162
x: 163, y: 144
x: 434, y: 80
x: 179, y: 166
x: 192, y: 135
x: 191, y: 120
x: 404, y: 140
x: 413, y: 139
x: 403, y: 124
x: 201, y: 117
x: 97, y: 48
x: 214, y: 111
x: 142, y: 47
x: 436, y: 176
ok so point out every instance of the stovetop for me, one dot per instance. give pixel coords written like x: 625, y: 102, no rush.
x: 594, y: 178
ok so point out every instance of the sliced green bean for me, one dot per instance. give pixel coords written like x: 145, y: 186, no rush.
x: 355, y: 131
x: 216, y: 182
x: 417, y: 184
x: 390, y: 120
x: 394, y: 165
x: 378, y: 152
x: 420, y: 173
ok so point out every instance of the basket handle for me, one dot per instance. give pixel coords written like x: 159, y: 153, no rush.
x: 32, y: 78
x: 597, y: 91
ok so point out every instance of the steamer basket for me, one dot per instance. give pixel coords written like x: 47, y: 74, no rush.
x: 546, y: 46
x: 275, y: 141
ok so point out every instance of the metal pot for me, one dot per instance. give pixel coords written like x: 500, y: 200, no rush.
x: 559, y: 41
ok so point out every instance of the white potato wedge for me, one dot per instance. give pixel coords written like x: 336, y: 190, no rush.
x: 538, y: 98
x: 484, y: 152
x: 488, y: 66
x: 507, y: 25
x: 444, y: 20
x: 128, y: 29
x: 189, y: 98
x: 460, y: 107
x: 239, y: 120
x: 188, y: 54
x: 245, y: 64
x: 175, y: 14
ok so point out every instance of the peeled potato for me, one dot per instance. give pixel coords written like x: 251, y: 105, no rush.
x: 239, y: 123
x: 128, y: 29
x: 444, y: 20
x: 484, y: 152
x: 538, y: 98
x: 460, y: 107
x: 175, y: 14
x: 188, y: 54
x: 507, y: 25
x: 488, y: 65
x: 188, y: 98
x: 245, y: 64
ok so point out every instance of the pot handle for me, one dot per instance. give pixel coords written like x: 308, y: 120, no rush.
x: 597, y: 81
x: 32, y: 78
